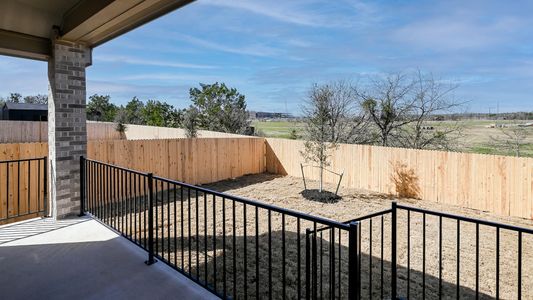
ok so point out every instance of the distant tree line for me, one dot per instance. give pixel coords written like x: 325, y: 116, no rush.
x: 213, y: 107
x: 18, y: 98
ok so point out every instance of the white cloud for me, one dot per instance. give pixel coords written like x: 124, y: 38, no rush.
x: 28, y: 77
x: 253, y: 50
x: 148, y: 62
x: 293, y: 12
x: 183, y: 78
x: 458, y: 32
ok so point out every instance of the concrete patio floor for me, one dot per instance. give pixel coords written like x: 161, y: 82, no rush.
x: 82, y: 259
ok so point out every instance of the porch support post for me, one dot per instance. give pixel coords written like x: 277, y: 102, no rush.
x: 67, y: 131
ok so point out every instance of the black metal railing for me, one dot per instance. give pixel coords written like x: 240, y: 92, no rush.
x: 412, y: 253
x: 240, y: 248
x: 23, y: 189
x: 234, y: 247
x: 456, y: 253
x: 375, y: 253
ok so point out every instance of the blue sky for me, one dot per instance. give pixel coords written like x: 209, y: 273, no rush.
x: 272, y: 51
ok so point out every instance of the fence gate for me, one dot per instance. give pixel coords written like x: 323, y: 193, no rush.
x: 23, y: 189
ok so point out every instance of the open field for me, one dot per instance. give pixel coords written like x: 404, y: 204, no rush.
x: 476, y: 139
x: 278, y: 129
x: 194, y: 230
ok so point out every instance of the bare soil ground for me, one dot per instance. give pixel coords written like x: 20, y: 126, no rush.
x: 216, y: 244
x: 285, y: 192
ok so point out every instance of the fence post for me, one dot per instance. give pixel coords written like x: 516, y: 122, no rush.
x: 82, y: 186
x: 394, y: 253
x: 151, y: 259
x: 354, y: 281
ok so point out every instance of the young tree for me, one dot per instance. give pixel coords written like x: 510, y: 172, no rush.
x: 513, y: 138
x: 101, y: 109
x: 220, y: 108
x: 190, y: 122
x: 318, y: 133
x: 331, y: 117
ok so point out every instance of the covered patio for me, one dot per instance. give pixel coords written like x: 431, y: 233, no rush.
x: 83, y: 259
x: 63, y: 33
x: 66, y: 257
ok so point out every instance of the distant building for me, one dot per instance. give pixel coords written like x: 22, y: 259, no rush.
x: 24, y: 112
x: 268, y: 115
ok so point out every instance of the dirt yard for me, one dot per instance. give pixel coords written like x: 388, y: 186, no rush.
x: 204, y: 256
x: 285, y: 192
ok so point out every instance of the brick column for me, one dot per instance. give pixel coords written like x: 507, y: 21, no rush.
x: 67, y: 130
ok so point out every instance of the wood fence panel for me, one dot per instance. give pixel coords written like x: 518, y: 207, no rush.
x: 502, y: 185
x: 34, y: 131
x: 23, y: 193
x: 499, y: 184
x: 195, y: 161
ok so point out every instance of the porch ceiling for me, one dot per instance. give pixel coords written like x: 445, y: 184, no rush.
x: 26, y: 26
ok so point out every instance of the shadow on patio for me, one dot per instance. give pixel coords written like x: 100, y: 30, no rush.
x: 82, y: 259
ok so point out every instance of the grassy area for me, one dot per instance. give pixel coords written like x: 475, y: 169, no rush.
x: 278, y: 129
x: 477, y: 135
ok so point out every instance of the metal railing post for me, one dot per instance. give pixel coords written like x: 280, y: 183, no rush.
x: 45, y: 185
x: 151, y: 259
x: 394, y: 253
x: 354, y: 281
x: 307, y: 264
x: 82, y: 186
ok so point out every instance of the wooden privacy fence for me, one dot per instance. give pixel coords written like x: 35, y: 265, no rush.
x: 37, y: 132
x: 498, y: 184
x: 22, y: 183
x: 33, y: 131
x: 195, y: 161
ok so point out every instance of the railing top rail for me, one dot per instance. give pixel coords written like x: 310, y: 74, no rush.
x: 376, y: 214
x: 22, y: 159
x: 362, y: 218
x: 466, y: 219
x: 286, y: 211
x: 117, y: 167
